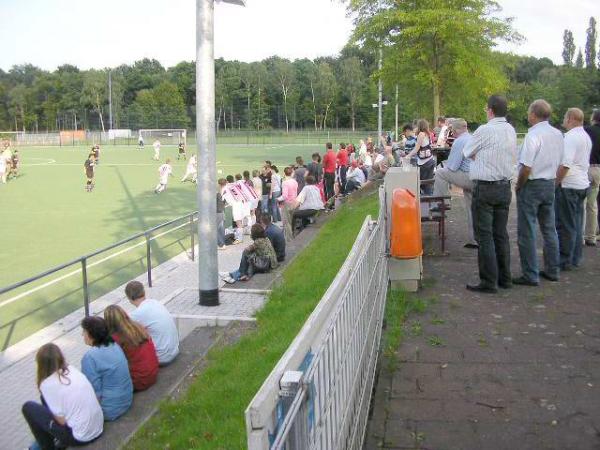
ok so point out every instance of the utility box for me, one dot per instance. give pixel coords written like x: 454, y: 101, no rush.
x: 403, y: 227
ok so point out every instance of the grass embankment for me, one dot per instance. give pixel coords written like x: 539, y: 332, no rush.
x: 211, y: 414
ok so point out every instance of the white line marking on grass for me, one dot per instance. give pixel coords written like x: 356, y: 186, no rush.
x: 75, y: 272
x: 47, y: 162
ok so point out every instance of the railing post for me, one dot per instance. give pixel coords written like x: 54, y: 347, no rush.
x: 148, y: 260
x: 86, y: 293
x: 192, y: 236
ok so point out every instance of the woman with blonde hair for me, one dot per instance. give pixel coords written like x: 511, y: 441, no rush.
x: 136, y: 344
x: 70, y: 414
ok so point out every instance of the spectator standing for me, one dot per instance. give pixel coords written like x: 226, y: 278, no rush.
x: 442, y: 134
x: 105, y: 365
x: 275, y: 193
x: 591, y: 208
x: 254, y: 201
x: 573, y: 183
x: 137, y: 345
x: 540, y: 156
x: 456, y: 172
x: 289, y: 192
x: 265, y: 178
x: 275, y: 235
x: 257, y: 184
x: 492, y: 151
x: 424, y: 154
x: 342, y: 163
x: 70, y: 414
x: 158, y: 321
x: 329, y: 164
x: 314, y: 168
x: 300, y: 173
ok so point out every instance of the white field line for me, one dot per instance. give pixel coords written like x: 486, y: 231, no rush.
x: 74, y: 272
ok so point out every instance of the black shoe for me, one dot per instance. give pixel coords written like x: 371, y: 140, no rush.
x: 505, y: 285
x: 440, y: 208
x: 590, y: 243
x: 471, y: 245
x: 481, y: 288
x: 522, y: 281
x: 548, y: 277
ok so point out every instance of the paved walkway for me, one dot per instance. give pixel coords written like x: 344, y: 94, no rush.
x: 517, y: 370
x: 174, y: 283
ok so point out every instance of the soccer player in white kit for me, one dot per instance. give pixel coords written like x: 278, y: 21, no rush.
x: 164, y: 172
x: 191, y: 169
x: 156, y: 146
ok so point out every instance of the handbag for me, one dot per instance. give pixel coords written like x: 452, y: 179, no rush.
x: 258, y: 264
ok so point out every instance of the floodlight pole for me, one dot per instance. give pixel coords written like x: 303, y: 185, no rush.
x: 206, y: 142
x: 208, y: 263
x: 380, y: 89
x: 110, y: 115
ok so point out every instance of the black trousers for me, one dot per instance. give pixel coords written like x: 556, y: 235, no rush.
x: 48, y: 434
x: 329, y: 182
x: 490, y: 207
x: 342, y: 173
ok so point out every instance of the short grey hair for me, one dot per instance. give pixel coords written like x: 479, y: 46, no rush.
x: 540, y: 109
x: 458, y: 124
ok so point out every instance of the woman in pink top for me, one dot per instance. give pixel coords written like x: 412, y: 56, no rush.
x: 289, y: 192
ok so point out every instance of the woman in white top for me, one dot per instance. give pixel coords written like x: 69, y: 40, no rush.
x: 70, y: 414
x: 424, y: 154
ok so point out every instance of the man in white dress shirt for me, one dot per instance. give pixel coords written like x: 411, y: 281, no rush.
x: 572, y: 186
x: 540, y: 156
x: 493, y: 150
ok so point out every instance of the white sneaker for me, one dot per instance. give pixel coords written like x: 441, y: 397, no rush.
x: 229, y: 280
x: 236, y: 242
x: 224, y: 274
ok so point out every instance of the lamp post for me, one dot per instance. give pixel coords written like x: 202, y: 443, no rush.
x: 206, y: 141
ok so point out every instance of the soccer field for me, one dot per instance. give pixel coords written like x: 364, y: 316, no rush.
x: 48, y: 218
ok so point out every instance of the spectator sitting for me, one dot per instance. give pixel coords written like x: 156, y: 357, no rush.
x: 158, y: 321
x: 309, y: 201
x: 105, y: 365
x: 355, y: 178
x: 258, y: 257
x: 70, y: 414
x: 136, y: 344
x: 275, y: 235
x: 380, y: 166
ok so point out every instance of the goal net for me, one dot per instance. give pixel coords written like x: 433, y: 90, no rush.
x: 166, y: 136
x: 13, y: 136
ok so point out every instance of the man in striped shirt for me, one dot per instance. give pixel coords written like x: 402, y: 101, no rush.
x: 493, y: 150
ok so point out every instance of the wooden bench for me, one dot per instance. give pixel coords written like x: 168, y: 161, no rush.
x: 438, y: 216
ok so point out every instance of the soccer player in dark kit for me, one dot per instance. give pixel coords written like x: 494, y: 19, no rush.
x: 181, y: 151
x: 88, y: 169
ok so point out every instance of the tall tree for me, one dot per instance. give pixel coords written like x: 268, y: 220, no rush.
x: 579, y: 60
x: 285, y: 78
x: 95, y: 92
x: 568, y: 52
x: 352, y: 79
x: 436, y: 41
x: 590, y: 45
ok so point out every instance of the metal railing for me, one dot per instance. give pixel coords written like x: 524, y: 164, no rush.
x: 318, y: 395
x: 82, y: 261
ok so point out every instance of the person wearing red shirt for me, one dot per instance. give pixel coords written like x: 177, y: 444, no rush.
x: 329, y: 163
x: 136, y: 344
x: 342, y: 161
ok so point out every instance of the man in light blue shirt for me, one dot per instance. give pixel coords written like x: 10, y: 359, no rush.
x: 158, y: 321
x: 456, y: 172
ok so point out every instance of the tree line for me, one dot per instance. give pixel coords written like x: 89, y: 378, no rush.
x: 439, y: 57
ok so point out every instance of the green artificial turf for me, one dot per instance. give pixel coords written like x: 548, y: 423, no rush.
x: 48, y: 219
x: 211, y: 413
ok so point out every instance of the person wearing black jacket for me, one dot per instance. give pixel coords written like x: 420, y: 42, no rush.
x: 591, y: 208
x: 275, y: 235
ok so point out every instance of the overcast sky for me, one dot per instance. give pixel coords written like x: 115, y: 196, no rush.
x: 107, y: 33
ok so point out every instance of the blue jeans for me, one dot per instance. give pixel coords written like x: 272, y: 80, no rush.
x: 264, y: 204
x: 275, y: 213
x: 535, y: 204
x: 243, y: 269
x: 490, y: 207
x: 570, y: 208
x: 220, y: 229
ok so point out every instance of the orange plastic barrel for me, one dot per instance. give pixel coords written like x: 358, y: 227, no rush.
x: 405, y: 234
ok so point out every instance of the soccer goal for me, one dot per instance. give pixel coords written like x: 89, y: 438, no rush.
x: 13, y: 136
x: 166, y: 136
